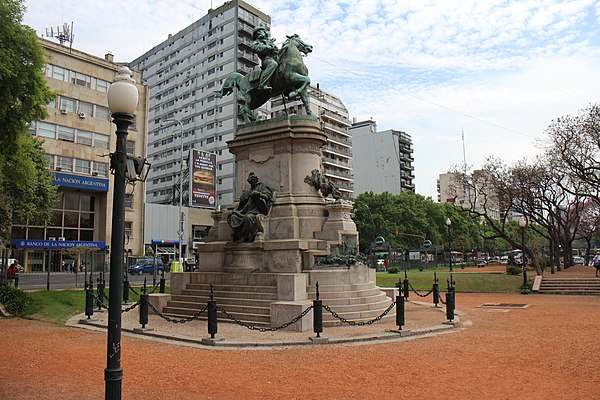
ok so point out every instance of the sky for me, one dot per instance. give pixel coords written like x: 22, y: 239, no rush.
x: 466, y: 79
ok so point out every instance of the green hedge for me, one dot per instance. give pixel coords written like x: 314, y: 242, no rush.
x: 14, y: 300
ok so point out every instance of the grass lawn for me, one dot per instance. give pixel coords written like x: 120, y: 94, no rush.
x: 56, y: 306
x: 467, y: 282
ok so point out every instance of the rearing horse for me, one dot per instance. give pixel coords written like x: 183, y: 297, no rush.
x: 290, y: 79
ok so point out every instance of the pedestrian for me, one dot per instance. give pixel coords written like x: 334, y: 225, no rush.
x: 12, y: 272
x: 596, y: 264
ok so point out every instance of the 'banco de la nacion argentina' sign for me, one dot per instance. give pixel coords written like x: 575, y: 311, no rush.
x: 80, y: 182
x: 56, y: 244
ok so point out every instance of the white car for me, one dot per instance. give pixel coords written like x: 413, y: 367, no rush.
x: 577, y: 260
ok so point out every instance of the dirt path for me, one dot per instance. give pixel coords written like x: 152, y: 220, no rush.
x: 549, y: 350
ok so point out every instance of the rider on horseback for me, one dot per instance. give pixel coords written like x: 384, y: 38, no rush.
x: 266, y: 49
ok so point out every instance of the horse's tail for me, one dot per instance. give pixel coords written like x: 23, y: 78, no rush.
x: 232, y: 80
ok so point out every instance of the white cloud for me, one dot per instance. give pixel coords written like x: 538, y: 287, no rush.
x: 499, y: 70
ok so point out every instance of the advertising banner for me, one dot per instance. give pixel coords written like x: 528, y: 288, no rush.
x: 80, y: 182
x: 203, y: 183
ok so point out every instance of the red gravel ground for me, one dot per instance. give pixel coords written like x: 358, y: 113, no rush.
x: 550, y: 350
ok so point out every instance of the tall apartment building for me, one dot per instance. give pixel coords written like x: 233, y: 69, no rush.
x: 382, y: 160
x: 78, y: 136
x: 182, y: 75
x: 452, y: 190
x: 337, y: 153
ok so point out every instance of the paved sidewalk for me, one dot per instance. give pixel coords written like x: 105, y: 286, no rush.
x: 421, y: 319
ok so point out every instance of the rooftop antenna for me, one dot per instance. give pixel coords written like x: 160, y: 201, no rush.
x: 64, y: 34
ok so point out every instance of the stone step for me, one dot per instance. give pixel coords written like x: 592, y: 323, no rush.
x: 230, y: 294
x: 326, y: 295
x: 202, y: 301
x: 232, y: 287
x: 358, y: 316
x: 254, y: 320
x: 353, y: 308
x: 570, y: 292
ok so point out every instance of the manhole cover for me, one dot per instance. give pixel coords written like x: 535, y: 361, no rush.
x: 504, y: 305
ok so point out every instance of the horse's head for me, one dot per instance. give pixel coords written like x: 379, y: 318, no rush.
x: 299, y: 43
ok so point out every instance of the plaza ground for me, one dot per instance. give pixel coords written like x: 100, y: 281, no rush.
x: 549, y: 350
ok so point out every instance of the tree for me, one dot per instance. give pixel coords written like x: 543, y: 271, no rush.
x: 575, y: 142
x: 25, y: 183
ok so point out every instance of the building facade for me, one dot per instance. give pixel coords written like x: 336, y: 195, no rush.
x: 337, y: 152
x: 78, y: 136
x: 183, y: 73
x: 383, y: 161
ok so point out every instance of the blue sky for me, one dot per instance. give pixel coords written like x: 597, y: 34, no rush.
x: 499, y: 71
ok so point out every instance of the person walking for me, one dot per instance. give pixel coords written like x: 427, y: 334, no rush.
x: 596, y: 264
x: 12, y: 272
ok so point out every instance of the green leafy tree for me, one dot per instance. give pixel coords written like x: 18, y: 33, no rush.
x: 25, y: 183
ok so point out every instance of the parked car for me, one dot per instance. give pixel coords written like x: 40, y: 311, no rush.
x: 481, y: 263
x: 146, y: 267
x: 577, y: 260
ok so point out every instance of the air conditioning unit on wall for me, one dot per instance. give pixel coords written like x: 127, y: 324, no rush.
x: 63, y: 110
x: 81, y: 114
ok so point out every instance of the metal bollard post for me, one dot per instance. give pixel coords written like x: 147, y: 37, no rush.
x: 436, y: 290
x: 125, y: 291
x: 144, y: 310
x: 161, y: 288
x: 89, y: 300
x: 450, y: 300
x: 212, y: 314
x: 100, y: 292
x: 405, y: 285
x: 400, y: 308
x: 318, y: 314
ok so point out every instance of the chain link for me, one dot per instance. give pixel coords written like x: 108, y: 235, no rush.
x: 97, y: 301
x: 360, y: 323
x: 178, y: 321
x: 417, y: 293
x: 263, y: 329
x: 131, y: 307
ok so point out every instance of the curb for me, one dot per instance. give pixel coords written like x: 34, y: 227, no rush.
x: 446, y: 327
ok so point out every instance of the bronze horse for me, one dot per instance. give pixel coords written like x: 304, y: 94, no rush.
x: 290, y: 79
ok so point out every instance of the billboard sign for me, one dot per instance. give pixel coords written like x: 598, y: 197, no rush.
x: 203, y: 183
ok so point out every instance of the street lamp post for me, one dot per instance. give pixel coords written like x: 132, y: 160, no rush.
x: 181, y: 230
x: 448, y: 223
x: 122, y: 101
x: 525, y: 288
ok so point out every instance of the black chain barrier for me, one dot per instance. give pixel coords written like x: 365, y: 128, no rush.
x: 419, y: 294
x: 100, y: 303
x: 134, y: 305
x: 175, y: 320
x: 261, y: 328
x: 441, y: 299
x: 360, y: 323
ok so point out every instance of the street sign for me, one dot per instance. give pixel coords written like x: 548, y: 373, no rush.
x: 427, y: 244
x: 379, y: 240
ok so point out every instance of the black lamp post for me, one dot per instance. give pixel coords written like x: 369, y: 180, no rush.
x: 448, y: 223
x: 525, y: 288
x: 122, y: 101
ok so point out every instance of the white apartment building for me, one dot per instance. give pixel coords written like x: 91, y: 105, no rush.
x: 182, y: 75
x: 382, y: 160
x: 337, y: 153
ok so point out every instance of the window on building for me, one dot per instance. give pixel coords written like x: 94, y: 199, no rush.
x: 130, y: 147
x: 129, y: 201
x: 101, y: 169
x: 84, y: 137
x: 86, y: 108
x: 64, y: 163
x: 67, y: 104
x: 58, y: 73
x: 83, y: 166
x: 50, y: 159
x: 101, y: 141
x: 66, y: 133
x: 102, y: 113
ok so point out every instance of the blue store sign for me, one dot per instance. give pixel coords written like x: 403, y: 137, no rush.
x: 80, y: 182
x: 55, y: 244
